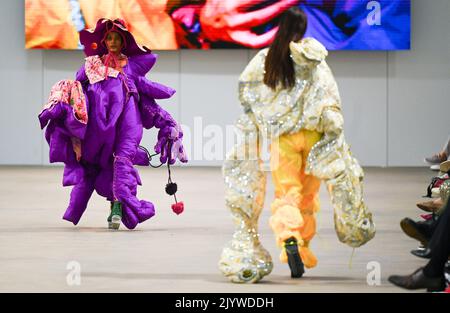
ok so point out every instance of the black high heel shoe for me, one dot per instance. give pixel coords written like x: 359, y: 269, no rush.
x: 294, y: 260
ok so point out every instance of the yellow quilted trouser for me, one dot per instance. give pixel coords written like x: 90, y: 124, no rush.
x: 296, y: 194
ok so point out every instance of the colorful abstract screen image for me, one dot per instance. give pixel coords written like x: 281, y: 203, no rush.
x: 218, y: 24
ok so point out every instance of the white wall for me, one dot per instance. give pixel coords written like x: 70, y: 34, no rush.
x: 396, y: 104
x: 419, y: 86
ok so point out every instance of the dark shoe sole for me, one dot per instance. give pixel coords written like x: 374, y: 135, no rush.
x: 295, y: 262
x: 421, y: 254
x: 412, y: 232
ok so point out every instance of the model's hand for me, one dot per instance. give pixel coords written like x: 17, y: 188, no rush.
x: 229, y: 21
x: 76, y: 145
x: 170, y: 145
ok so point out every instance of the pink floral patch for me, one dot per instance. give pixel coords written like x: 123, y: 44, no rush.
x: 95, y: 69
x: 70, y: 92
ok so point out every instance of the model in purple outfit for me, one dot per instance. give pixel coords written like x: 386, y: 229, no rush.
x: 95, y: 124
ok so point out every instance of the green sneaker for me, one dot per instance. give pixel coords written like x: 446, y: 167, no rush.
x: 115, y: 217
x: 110, y: 215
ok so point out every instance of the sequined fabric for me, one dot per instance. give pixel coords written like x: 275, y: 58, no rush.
x: 244, y: 259
x: 312, y: 104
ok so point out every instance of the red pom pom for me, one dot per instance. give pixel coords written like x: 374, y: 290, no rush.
x: 94, y: 46
x: 178, y: 208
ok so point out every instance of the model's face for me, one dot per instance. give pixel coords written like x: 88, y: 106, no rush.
x: 114, y: 42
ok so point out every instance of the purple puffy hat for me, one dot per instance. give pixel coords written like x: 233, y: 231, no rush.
x: 93, y: 39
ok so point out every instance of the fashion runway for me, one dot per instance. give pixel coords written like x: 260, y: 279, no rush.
x: 171, y: 253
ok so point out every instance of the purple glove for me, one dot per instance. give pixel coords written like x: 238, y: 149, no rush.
x: 170, y: 144
x: 170, y: 135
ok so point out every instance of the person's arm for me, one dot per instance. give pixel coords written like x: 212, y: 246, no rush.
x: 331, y: 160
x: 170, y: 134
x: 154, y: 89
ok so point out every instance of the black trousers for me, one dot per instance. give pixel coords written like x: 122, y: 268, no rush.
x: 439, y: 245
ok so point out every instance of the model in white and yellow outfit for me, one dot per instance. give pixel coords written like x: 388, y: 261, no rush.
x: 305, y: 127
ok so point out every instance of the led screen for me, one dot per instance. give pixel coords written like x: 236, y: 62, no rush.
x: 209, y: 24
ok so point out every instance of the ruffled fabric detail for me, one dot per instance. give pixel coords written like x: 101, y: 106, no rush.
x: 140, y: 65
x: 286, y: 222
x: 69, y: 92
x: 95, y: 70
x: 308, y: 257
x: 154, y: 90
x: 308, y: 50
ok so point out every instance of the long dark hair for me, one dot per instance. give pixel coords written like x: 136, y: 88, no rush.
x: 279, y: 65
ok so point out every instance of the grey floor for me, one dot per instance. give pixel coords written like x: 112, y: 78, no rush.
x: 173, y: 253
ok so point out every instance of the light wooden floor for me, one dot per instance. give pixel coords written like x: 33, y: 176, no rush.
x: 173, y: 253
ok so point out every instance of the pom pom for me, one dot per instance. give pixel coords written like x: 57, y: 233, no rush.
x: 171, y: 188
x: 178, y: 208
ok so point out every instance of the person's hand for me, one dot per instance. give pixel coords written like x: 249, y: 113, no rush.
x: 76, y: 145
x: 170, y: 145
x: 228, y: 21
